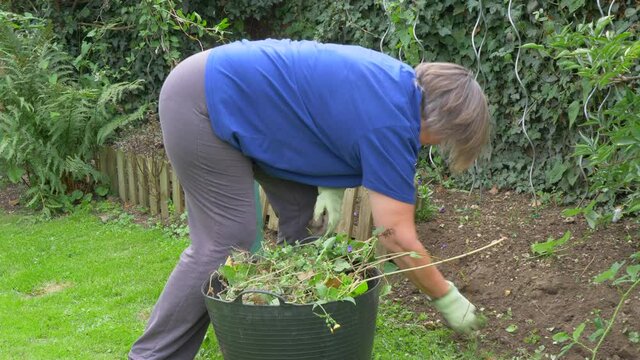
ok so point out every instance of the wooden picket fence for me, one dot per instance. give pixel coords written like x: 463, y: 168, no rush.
x: 150, y: 182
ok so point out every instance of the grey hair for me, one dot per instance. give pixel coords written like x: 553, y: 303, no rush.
x: 455, y: 108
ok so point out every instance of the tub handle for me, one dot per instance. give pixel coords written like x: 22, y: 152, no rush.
x: 281, y: 300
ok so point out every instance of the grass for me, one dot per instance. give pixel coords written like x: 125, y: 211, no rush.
x: 77, y: 288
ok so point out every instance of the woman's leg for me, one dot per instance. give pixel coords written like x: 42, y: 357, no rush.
x: 218, y: 185
x: 293, y: 203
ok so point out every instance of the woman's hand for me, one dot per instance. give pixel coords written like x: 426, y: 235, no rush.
x: 329, y: 199
x: 459, y: 313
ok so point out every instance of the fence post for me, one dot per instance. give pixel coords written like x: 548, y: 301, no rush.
x: 176, y: 193
x: 132, y: 193
x: 141, y: 176
x: 112, y: 170
x: 273, y: 219
x: 348, y: 204
x: 122, y: 189
x: 152, y: 184
x: 264, y: 205
x: 365, y: 220
x: 164, y: 189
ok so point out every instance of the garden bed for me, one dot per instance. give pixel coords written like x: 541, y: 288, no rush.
x: 528, y: 299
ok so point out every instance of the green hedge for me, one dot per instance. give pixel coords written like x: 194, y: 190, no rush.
x: 139, y: 41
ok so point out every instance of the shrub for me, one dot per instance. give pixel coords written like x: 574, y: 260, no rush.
x: 605, y: 63
x: 52, y: 120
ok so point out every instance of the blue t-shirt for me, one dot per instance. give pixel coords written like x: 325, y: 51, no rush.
x: 319, y: 114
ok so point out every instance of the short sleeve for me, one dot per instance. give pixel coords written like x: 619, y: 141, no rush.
x: 388, y: 156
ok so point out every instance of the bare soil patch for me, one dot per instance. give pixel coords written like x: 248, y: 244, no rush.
x: 10, y: 197
x: 540, y: 296
x: 49, y: 288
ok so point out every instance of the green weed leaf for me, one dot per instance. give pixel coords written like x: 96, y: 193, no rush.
x: 633, y: 271
x: 361, y: 289
x: 550, y: 246
x: 571, y: 212
x: 578, y: 331
x: 609, y: 274
x: 389, y: 267
x: 102, y: 190
x: 340, y: 265
x: 561, y: 337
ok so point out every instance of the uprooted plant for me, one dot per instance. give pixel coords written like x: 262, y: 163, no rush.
x: 328, y: 269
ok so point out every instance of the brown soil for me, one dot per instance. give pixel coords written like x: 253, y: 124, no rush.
x: 540, y: 296
x: 10, y: 198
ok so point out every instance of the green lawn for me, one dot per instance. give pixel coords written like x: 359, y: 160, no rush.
x: 77, y: 288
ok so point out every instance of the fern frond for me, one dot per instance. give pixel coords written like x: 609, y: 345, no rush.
x: 105, y: 131
x: 79, y: 169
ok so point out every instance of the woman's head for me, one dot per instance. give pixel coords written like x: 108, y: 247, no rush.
x: 454, y: 112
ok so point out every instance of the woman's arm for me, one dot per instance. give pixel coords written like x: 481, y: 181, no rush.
x: 397, y: 218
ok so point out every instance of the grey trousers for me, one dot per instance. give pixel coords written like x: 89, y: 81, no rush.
x: 218, y: 184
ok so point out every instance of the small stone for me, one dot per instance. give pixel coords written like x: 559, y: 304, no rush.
x: 569, y: 220
x: 507, y: 292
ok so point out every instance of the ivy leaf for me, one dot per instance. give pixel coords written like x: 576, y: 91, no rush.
x: 555, y: 174
x: 572, y: 5
x: 443, y: 31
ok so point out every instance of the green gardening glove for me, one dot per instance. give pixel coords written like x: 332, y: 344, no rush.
x: 458, y: 311
x: 329, y: 199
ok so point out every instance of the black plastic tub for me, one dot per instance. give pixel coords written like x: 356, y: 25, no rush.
x: 293, y: 331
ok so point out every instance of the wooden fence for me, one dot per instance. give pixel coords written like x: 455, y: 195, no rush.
x: 149, y: 182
